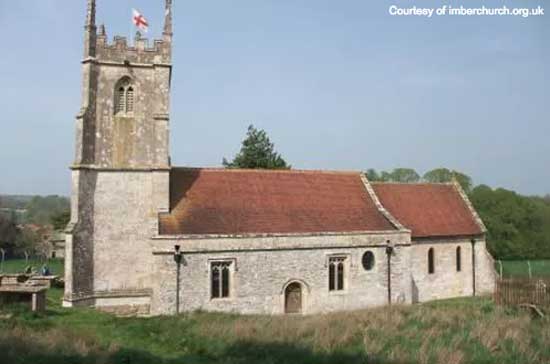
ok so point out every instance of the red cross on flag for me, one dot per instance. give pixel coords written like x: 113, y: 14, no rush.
x: 140, y: 21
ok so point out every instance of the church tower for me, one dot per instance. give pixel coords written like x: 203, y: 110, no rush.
x: 120, y: 174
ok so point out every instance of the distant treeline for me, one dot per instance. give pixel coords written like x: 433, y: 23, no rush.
x: 518, y: 226
x: 39, y: 210
x: 27, y: 221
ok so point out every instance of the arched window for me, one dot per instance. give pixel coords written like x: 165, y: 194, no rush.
x: 458, y: 259
x: 336, y: 273
x: 124, y: 97
x: 431, y: 266
x: 220, y: 279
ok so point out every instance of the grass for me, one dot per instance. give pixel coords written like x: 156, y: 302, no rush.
x: 457, y: 331
x: 520, y: 268
x: 18, y: 266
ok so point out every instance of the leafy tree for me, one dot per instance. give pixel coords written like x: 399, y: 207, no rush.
x: 40, y: 210
x: 406, y: 175
x: 8, y: 233
x: 60, y: 220
x: 440, y: 175
x: 518, y: 226
x: 27, y: 241
x: 257, y: 152
x: 372, y: 175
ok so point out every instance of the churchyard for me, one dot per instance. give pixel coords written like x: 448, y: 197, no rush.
x: 452, y: 331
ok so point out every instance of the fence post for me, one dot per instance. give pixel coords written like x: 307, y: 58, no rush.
x: 529, y: 267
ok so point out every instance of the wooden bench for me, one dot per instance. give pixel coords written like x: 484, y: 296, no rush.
x: 35, y: 295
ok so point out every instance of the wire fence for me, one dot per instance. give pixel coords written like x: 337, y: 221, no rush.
x: 507, y: 269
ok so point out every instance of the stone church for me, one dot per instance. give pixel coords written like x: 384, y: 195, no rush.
x: 146, y: 237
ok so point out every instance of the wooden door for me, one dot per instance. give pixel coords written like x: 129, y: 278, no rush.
x: 293, y: 298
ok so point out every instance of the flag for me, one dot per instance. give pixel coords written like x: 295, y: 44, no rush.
x: 139, y: 20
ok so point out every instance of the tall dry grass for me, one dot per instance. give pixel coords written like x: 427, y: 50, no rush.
x: 446, y: 334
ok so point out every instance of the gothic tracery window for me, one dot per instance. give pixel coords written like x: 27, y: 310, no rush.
x: 336, y: 271
x: 124, y: 97
x: 220, y: 279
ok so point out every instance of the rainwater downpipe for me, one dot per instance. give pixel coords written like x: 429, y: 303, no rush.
x: 473, y: 241
x: 389, y: 252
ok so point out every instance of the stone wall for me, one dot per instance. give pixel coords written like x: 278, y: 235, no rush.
x: 110, y: 250
x: 446, y: 281
x: 259, y: 276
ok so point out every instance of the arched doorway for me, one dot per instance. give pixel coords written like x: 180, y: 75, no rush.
x: 293, y: 298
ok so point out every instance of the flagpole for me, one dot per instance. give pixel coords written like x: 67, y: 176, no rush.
x: 130, y: 8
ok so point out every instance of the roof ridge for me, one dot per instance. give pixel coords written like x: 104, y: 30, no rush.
x: 289, y: 171
x: 412, y: 183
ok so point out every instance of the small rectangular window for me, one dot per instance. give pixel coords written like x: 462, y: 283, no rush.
x: 458, y: 259
x: 431, y: 264
x: 336, y: 273
x: 220, y: 279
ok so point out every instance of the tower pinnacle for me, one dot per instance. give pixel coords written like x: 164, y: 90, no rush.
x: 90, y: 31
x: 90, y: 14
x: 168, y: 19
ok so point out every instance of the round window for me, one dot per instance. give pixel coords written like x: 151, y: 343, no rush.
x: 368, y: 260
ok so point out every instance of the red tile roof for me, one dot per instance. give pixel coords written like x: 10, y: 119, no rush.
x: 219, y: 201
x: 428, y: 209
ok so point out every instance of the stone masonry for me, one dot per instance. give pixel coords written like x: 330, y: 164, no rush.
x: 118, y: 260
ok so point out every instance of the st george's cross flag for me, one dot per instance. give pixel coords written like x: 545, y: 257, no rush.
x: 140, y: 21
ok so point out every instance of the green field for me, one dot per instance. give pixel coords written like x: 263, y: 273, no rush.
x: 457, y: 331
x: 18, y: 266
x: 520, y: 268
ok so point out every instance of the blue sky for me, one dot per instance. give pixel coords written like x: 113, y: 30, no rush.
x: 336, y: 84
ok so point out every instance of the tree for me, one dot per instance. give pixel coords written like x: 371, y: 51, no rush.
x: 41, y: 209
x: 257, y: 152
x: 372, y: 175
x: 60, y: 220
x: 405, y: 175
x: 440, y: 175
x: 27, y: 241
x: 8, y: 233
x: 518, y: 226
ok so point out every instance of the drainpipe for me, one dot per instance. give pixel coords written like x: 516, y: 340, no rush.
x: 178, y: 255
x: 389, y: 252
x: 473, y: 241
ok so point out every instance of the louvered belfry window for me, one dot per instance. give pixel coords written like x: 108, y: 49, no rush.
x: 120, y: 101
x: 130, y: 99
x: 124, y: 97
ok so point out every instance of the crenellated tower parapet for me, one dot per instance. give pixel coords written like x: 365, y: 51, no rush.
x: 119, y: 50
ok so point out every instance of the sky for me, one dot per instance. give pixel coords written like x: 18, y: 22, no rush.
x: 338, y: 85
